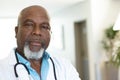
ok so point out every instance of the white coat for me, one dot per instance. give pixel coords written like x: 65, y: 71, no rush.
x: 64, y: 70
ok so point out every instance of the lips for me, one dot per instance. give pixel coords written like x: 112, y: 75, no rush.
x: 35, y: 43
x: 35, y: 46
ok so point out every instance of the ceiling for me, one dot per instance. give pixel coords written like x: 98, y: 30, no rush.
x: 11, y: 8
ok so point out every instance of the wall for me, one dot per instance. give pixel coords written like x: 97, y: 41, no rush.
x: 7, y: 36
x: 104, y: 14
x: 67, y: 17
x: 99, y: 15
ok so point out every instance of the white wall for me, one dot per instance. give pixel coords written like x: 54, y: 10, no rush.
x: 68, y: 49
x: 99, y: 15
x: 7, y: 36
x: 104, y: 14
x: 67, y: 17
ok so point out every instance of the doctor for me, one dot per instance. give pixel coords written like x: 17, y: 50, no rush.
x: 30, y: 61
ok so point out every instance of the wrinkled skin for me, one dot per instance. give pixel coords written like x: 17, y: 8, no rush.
x: 33, y: 29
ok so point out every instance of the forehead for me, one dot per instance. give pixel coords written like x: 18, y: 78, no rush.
x: 35, y: 13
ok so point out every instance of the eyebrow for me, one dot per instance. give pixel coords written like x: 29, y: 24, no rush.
x: 28, y: 20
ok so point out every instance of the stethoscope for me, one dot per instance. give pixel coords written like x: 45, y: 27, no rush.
x: 21, y: 65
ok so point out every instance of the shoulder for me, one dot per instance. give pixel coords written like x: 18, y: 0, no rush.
x: 65, y: 67
x: 8, y: 60
x: 60, y: 61
x: 62, y: 64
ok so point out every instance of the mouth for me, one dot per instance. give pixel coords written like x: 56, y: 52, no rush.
x: 35, y: 46
x: 35, y: 43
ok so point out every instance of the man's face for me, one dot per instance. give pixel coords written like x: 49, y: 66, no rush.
x: 34, y: 30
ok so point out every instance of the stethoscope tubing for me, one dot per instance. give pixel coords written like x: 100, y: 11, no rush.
x: 53, y: 68
x: 18, y: 63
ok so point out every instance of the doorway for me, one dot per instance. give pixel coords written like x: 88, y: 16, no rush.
x: 81, y: 49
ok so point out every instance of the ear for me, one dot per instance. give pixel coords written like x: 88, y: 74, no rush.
x: 16, y: 31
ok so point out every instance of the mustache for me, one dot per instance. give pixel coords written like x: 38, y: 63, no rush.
x: 36, y: 39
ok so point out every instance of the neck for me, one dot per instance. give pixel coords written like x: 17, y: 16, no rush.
x: 36, y: 64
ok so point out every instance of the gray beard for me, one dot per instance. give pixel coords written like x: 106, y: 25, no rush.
x: 32, y: 55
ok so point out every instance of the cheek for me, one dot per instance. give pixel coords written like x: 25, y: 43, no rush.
x: 48, y: 37
x: 22, y: 37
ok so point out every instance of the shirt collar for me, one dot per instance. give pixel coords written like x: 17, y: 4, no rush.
x: 25, y: 61
x: 22, y: 60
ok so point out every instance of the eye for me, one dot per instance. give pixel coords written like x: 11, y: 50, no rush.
x: 29, y: 25
x: 45, y: 26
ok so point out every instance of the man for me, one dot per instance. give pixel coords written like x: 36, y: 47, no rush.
x: 30, y: 61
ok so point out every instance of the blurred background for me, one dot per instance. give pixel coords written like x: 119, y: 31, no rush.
x: 78, y: 33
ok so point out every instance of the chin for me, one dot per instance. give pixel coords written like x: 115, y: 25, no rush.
x: 33, y: 55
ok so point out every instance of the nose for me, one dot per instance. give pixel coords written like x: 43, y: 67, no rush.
x: 36, y: 31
